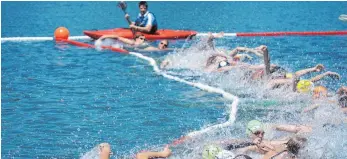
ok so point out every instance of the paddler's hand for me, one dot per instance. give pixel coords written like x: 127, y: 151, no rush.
x: 127, y: 16
x: 132, y: 26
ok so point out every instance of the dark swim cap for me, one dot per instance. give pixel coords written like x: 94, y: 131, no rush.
x: 343, y: 101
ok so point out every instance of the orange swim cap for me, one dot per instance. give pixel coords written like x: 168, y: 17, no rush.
x: 319, y: 91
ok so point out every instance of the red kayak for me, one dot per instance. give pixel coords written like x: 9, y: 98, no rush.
x: 127, y: 33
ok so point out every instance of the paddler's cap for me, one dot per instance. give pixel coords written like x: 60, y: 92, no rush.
x: 253, y: 126
x: 211, y: 151
x: 304, y: 86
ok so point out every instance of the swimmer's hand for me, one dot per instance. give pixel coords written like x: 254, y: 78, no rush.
x: 166, y: 152
x: 164, y: 64
x: 319, y: 68
x: 262, y: 145
x: 333, y: 75
x: 261, y: 48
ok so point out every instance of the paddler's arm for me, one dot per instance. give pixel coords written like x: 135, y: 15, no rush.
x: 127, y: 17
x: 145, y: 29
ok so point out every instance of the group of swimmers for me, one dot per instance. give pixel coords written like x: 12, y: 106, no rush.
x: 276, y: 77
x: 221, y: 61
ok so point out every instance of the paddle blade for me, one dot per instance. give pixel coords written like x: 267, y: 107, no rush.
x: 122, y: 5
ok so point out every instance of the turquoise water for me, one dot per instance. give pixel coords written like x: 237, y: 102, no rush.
x: 60, y: 101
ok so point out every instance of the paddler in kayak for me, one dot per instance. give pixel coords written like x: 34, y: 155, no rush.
x: 145, y: 21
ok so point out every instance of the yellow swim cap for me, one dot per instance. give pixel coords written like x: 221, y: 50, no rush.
x: 211, y: 151
x: 289, y: 75
x: 304, y: 86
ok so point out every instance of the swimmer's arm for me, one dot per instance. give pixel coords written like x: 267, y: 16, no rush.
x: 245, y: 150
x: 287, y: 128
x: 279, y: 142
x: 312, y: 107
x: 225, y: 68
x: 230, y: 141
x: 151, y: 48
x: 344, y: 110
x: 147, y: 155
x: 211, y: 68
x: 108, y: 36
x: 164, y: 63
x: 254, y: 51
x: 145, y: 29
x: 245, y: 49
x: 126, y: 41
x: 244, y: 56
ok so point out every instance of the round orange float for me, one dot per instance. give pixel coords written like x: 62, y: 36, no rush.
x: 61, y: 33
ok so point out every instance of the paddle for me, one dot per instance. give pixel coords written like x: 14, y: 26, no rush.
x: 122, y: 5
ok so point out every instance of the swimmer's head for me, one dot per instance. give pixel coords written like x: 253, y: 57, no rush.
x: 255, y: 129
x: 163, y: 44
x: 320, y: 91
x: 140, y: 38
x: 237, y: 58
x: 211, y: 151
x: 304, y: 86
x: 296, y: 143
x: 343, y: 101
x: 215, y: 59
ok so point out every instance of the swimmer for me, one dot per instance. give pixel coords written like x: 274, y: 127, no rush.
x: 138, y: 41
x: 162, y: 46
x: 289, y: 150
x: 320, y: 92
x: 221, y: 63
x: 207, y: 44
x: 255, y: 143
x: 105, y: 152
x: 301, y: 86
x: 342, y: 98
